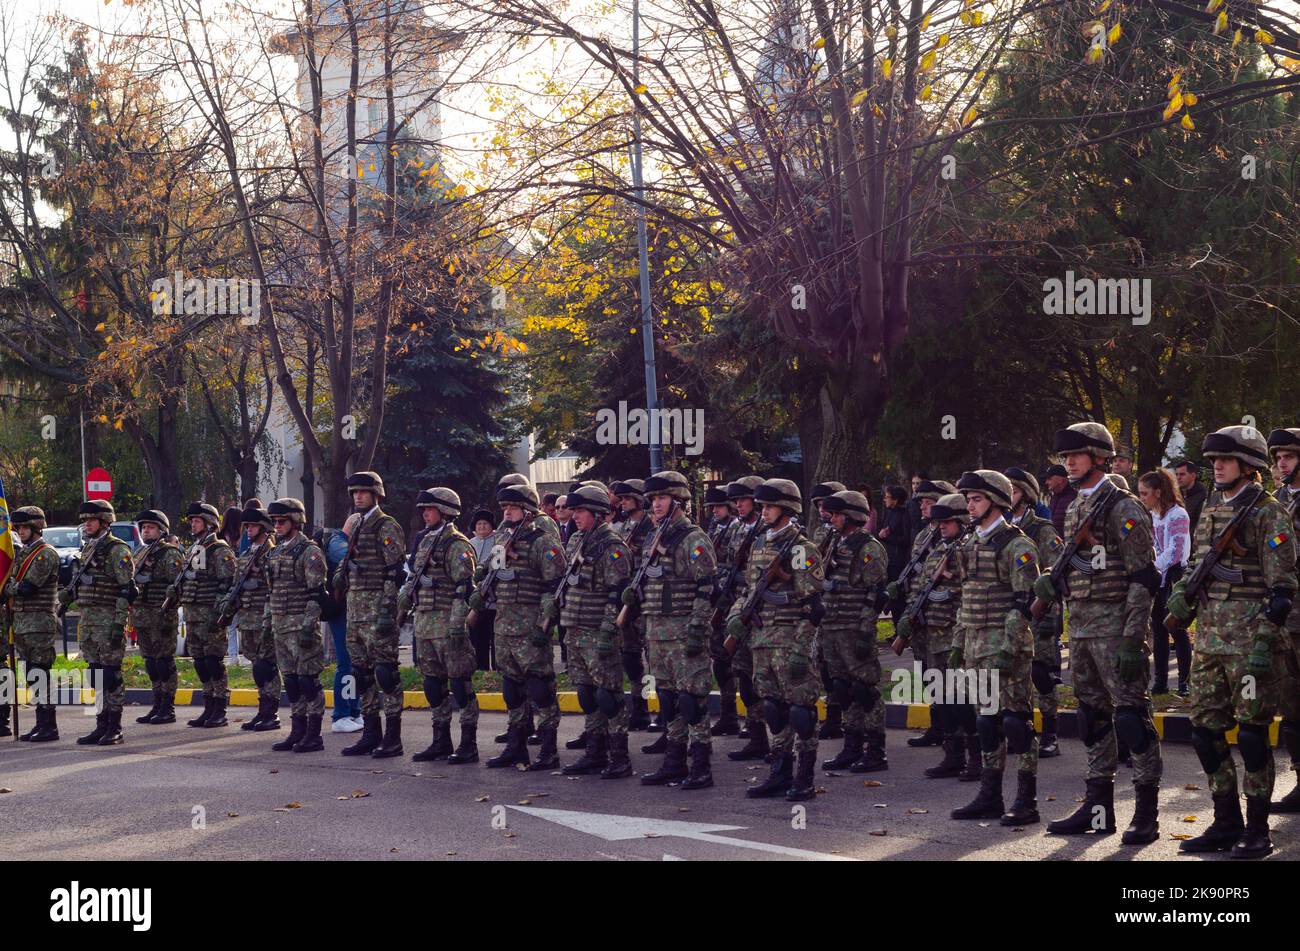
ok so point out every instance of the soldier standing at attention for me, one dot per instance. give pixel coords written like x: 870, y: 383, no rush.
x: 740, y: 494
x: 156, y: 566
x: 833, y: 728
x: 1284, y: 447
x: 256, y: 641
x: 209, y: 573
x: 635, y: 528
x: 721, y: 516
x: 32, y: 589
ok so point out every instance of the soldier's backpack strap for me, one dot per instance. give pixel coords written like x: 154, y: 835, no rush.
x: 1003, y: 538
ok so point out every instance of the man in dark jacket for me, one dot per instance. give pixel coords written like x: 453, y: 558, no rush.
x: 1062, y: 495
x: 1185, y: 471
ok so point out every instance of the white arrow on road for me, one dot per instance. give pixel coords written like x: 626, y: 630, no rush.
x: 616, y: 828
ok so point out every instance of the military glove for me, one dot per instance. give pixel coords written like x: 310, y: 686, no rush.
x: 695, y: 641
x: 403, y: 604
x: 1279, y: 606
x: 736, y: 628
x: 893, y: 591
x: 475, y: 601
x: 1132, y: 665
x: 541, y: 637
x: 1177, y: 605
x: 1260, y: 662
x: 1044, y: 590
x: 550, y: 610
x: 799, y: 667
x: 956, y: 658
x: 65, y: 597
x: 630, y: 598
x: 903, y: 628
x: 480, y: 573
x: 26, y: 589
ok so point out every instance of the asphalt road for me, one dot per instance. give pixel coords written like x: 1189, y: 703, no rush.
x: 178, y: 793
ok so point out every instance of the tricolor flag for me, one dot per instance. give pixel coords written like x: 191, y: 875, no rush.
x: 6, y: 540
x: 1273, y: 542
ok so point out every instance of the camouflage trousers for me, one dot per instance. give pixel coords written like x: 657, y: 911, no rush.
x: 742, y: 670
x: 588, y: 669
x: 1289, y: 689
x: 101, y: 635
x: 784, y: 673
x: 155, y: 634
x: 853, y: 665
x: 1003, y: 685
x: 300, y: 658
x: 207, y: 638
x: 1047, y: 650
x: 443, y: 657
x: 1094, y: 662
x: 519, y: 659
x: 1224, y: 692
x: 35, y: 648
x: 723, y: 666
x: 673, y: 670
x: 372, y: 641
x: 257, y: 643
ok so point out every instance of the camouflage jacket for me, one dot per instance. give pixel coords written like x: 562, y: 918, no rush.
x: 855, y: 567
x: 787, y: 602
x: 998, y: 571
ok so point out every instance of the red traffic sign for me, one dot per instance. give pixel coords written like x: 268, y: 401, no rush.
x: 99, y: 484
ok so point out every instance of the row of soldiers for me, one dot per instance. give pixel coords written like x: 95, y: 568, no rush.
x: 755, y: 604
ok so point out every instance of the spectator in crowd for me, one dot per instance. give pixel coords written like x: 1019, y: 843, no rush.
x: 914, y: 517
x: 232, y: 529
x: 1173, y: 543
x: 895, y: 531
x: 548, y: 504
x: 1122, y: 465
x: 347, y: 710
x: 1062, y: 494
x: 564, y: 518
x: 483, y: 527
x: 1193, y: 493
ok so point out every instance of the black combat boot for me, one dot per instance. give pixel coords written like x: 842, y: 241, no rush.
x: 516, y: 750
x: 36, y: 727
x: 974, y: 760
x: 297, y: 730
x: 619, y: 766
x: 534, y: 738
x: 846, y: 757
x: 1254, y: 842
x: 1024, y: 811
x: 1290, y: 803
x: 218, y: 715
x: 933, y: 736
x: 505, y: 737
x: 548, y: 756
x: 1095, y: 814
x: 577, y: 743
x: 802, y: 787
x: 873, y: 759
x: 728, y: 723
x: 440, y: 748
x: 701, y: 776
x: 202, y: 718
x: 391, y: 744
x: 755, y: 748
x: 371, y: 735
x: 94, y: 736
x: 252, y: 722
x: 671, y: 769
x: 778, y: 780
x: 1144, y: 828
x: 467, y: 751
x: 1047, y: 744
x: 638, y: 712
x: 594, y: 759
x: 658, y: 747
x: 153, y: 711
x: 833, y: 726
x: 269, y: 711
x: 47, y: 726
x: 166, y: 710
x: 954, y: 759
x: 987, y: 803
x: 1224, y: 831
x: 311, y: 741
x: 113, y: 733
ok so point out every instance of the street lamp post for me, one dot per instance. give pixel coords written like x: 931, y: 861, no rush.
x: 647, y: 319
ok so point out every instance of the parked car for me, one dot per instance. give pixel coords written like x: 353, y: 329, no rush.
x: 129, y: 532
x: 67, y: 542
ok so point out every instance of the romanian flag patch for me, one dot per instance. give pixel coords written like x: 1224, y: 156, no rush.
x: 1128, y: 526
x: 615, y: 555
x: 696, y: 552
x: 552, y: 553
x: 1024, y: 559
x: 1278, y: 539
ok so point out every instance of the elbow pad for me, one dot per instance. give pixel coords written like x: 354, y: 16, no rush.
x: 1147, y: 577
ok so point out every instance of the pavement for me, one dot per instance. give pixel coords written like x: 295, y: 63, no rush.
x: 173, y: 792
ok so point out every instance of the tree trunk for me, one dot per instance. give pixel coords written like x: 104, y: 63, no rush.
x: 850, y: 413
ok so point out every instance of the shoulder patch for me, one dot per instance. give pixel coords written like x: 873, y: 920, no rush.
x: 615, y: 555
x: 1128, y: 526
x: 551, y: 553
x: 696, y: 552
x: 1278, y: 539
x: 1024, y: 559
x: 1055, y: 545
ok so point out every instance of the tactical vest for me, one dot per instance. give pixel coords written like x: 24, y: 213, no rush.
x: 1032, y: 524
x: 254, y: 594
x: 200, y: 585
x: 1084, y: 582
x: 666, y: 593
x: 586, y: 599
x: 98, y: 588
x: 45, y: 600
x: 289, y: 595
x: 1291, y: 502
x: 435, y: 589
x: 153, y: 587
x: 1236, y: 577
x: 941, y: 604
x: 636, y: 534
x: 986, y: 596
x: 367, y: 569
x: 517, y: 581
x: 844, y: 602
x: 781, y: 605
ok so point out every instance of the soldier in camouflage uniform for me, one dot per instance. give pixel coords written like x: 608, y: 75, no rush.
x: 999, y: 565
x: 1284, y: 447
x: 208, y: 576
x: 528, y: 560
x: 247, y: 605
x: 1108, y: 601
x: 740, y: 494
x: 721, y: 517
x: 1240, y: 639
x: 437, y: 590
x: 157, y: 564
x: 821, y: 536
x: 31, y: 589
x: 296, y: 572
x: 600, y: 564
x: 1047, y: 649
x: 949, y: 517
x: 676, y: 604
x: 782, y: 644
x: 635, y: 528
x: 104, y: 594
x: 856, y: 567
x: 374, y: 570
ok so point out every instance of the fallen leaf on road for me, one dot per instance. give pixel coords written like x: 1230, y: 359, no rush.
x: 830, y: 774
x: 378, y: 772
x: 511, y: 835
x: 651, y: 835
x: 1179, y: 836
x: 453, y: 853
x: 918, y: 812
x: 525, y: 802
x: 872, y: 783
x: 879, y: 805
x: 1051, y: 799
x: 984, y: 825
x: 274, y: 771
x: 1189, y: 818
x: 5, y: 789
x: 341, y: 798
x: 537, y: 795
x: 683, y: 808
x: 1191, y: 787
x: 393, y: 849
x: 877, y: 832
x: 359, y: 794
x: 481, y: 798
x: 232, y: 815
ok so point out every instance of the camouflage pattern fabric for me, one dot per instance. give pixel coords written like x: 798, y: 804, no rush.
x: 372, y: 635
x: 296, y: 568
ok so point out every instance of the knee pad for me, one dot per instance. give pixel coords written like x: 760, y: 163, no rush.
x: 388, y: 677
x: 1132, y: 728
x: 776, y: 715
x: 151, y: 668
x: 745, y: 687
x: 216, y: 667
x: 292, y: 689
x: 1252, y: 740
x: 263, y: 672
x: 513, y: 691
x: 540, y: 691
x: 463, y: 690
x: 722, y: 671
x: 586, y: 697
x: 609, y: 702
x: 841, y: 691
x: 363, y: 679
x: 201, y: 668
x: 989, y: 729
x: 667, y: 705
x: 435, y: 690
x: 1094, y: 724
x: 865, y: 695
x: 1041, y: 674
x: 1289, y: 734
x: 1019, y: 732
x: 693, y: 708
x: 112, y: 678
x: 1210, y: 746
x: 308, y: 686
x: 803, y: 720
x: 166, y: 668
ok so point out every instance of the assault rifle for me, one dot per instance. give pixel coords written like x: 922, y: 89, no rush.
x: 81, y: 570
x: 913, y: 610
x: 750, y: 611
x: 489, y: 582
x: 1069, y: 556
x: 728, y: 586
x: 637, y: 583
x: 1208, y: 568
x: 230, y: 604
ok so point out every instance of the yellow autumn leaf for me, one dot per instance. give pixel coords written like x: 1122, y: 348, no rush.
x: 1236, y: 38
x: 1094, y: 54
x: 1190, y: 99
x: 887, y: 68
x: 1113, y: 35
x: 942, y: 41
x: 1213, y: 5
x: 1263, y: 36
x: 970, y: 115
x: 117, y: 425
x: 927, y: 61
x: 819, y: 42
x: 891, y: 32
x: 859, y: 97
x: 1169, y: 112
x: 1220, y: 22
x: 99, y: 327
x: 977, y: 18
x: 1176, y: 103
x: 926, y: 92
x: 925, y: 21
x: 1104, y: 7
x: 1187, y: 122
x: 640, y: 89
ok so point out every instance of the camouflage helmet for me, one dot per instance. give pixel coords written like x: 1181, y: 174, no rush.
x: 255, y: 514
x: 1117, y: 480
x: 949, y: 506
x: 1243, y: 443
x: 29, y: 515
x: 669, y: 483
x: 513, y: 478
x: 1025, y: 482
x: 780, y: 492
x: 591, y: 497
x: 154, y: 517
x: 988, y: 481
x: 852, y: 504
x: 744, y: 487
x: 1084, y: 437
x: 96, y: 508
x: 366, y: 481
x: 824, y: 490
x: 292, y: 509
x: 715, y: 495
x: 629, y: 488
x: 523, y: 495
x: 1279, y: 439
x: 204, y: 511
x: 444, y: 500
x: 933, y: 489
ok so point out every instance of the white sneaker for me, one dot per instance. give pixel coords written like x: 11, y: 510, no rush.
x: 346, y: 725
